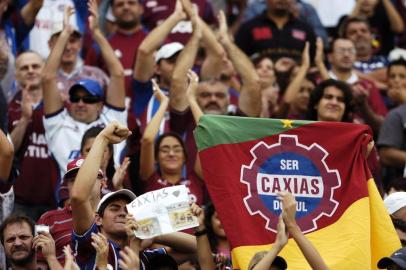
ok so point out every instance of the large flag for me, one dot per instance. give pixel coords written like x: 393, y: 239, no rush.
x: 246, y: 161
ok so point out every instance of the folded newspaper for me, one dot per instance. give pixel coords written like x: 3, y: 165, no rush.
x: 162, y: 211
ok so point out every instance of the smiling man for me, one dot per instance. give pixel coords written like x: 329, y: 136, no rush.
x: 111, y: 214
x: 89, y: 104
x: 368, y: 104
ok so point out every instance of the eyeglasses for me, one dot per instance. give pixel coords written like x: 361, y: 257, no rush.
x: 345, y: 50
x: 167, y: 149
x: 86, y: 99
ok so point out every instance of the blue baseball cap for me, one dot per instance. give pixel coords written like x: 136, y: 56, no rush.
x: 397, y: 258
x: 91, y: 86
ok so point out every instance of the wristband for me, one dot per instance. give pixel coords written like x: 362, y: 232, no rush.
x: 200, y: 233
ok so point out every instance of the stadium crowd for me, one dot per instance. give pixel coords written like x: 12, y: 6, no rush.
x: 99, y: 100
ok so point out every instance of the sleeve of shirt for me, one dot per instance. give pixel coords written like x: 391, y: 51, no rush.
x: 391, y: 133
x: 112, y: 113
x: 376, y: 101
x: 243, y: 39
x: 180, y: 121
x: 53, y: 125
x: 148, y: 254
x: 142, y: 94
x: 82, y: 244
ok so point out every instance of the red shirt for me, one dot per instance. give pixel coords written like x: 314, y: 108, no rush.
x: 156, y: 11
x: 37, y: 181
x: 60, y: 227
x: 197, y: 192
x: 125, y: 47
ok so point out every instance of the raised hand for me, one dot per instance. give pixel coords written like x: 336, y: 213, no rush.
x: 288, y: 208
x: 69, y: 11
x: 129, y: 259
x: 178, y: 11
x: 319, y: 56
x: 69, y: 261
x: 115, y: 132
x: 199, y: 213
x: 101, y: 245
x: 46, y: 243
x: 193, y: 83
x: 159, y: 95
x: 120, y: 173
x: 26, y: 104
x: 223, y: 35
x: 94, y: 15
x: 305, y: 55
x: 282, y: 235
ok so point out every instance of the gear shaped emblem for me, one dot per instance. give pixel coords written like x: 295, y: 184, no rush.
x: 297, y: 168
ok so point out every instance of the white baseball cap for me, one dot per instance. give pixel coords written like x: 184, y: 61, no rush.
x: 168, y: 50
x: 395, y: 201
x: 58, y: 27
x: 122, y: 192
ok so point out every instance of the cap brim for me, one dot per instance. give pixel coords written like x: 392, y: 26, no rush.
x: 108, y: 197
x: 386, y: 262
x: 280, y: 262
x: 74, y: 33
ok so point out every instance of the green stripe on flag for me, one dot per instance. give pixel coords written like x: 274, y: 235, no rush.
x: 219, y: 129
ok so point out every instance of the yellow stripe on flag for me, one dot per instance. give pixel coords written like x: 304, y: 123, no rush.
x: 362, y: 236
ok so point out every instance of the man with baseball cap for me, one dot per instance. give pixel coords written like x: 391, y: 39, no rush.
x: 397, y: 261
x: 111, y: 215
x: 155, y: 59
x: 60, y: 220
x: 72, y: 67
x: 395, y: 203
x: 89, y: 104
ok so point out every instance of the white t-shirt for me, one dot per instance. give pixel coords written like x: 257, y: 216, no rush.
x: 50, y: 13
x: 64, y: 134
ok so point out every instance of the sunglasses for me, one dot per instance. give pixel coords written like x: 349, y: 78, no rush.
x: 86, y: 99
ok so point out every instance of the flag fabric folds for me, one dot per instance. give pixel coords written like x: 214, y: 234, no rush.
x: 246, y: 161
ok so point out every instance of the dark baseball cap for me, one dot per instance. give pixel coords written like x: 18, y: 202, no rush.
x: 398, y: 258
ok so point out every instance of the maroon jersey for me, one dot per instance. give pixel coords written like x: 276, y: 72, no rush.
x: 195, y: 185
x: 60, y: 227
x: 125, y: 47
x: 156, y: 11
x: 36, y: 183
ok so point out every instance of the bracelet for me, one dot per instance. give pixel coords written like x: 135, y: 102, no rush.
x: 200, y: 233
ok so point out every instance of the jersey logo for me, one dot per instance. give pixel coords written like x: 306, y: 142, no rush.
x: 261, y: 33
x: 298, y: 34
x: 294, y: 167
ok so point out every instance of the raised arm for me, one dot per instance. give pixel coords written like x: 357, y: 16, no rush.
x: 309, y: 251
x: 30, y: 11
x: 144, y: 66
x: 83, y: 214
x: 115, y: 94
x: 250, y: 96
x: 204, y: 251
x: 6, y: 156
x: 52, y: 98
x: 147, y: 159
x: 295, y: 84
x: 18, y: 132
x: 281, y: 240
x: 395, y: 20
x: 196, y: 111
x: 213, y: 63
x: 185, y: 62
x: 319, y: 59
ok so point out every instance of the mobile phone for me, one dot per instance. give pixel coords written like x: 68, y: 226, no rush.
x: 41, y: 229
